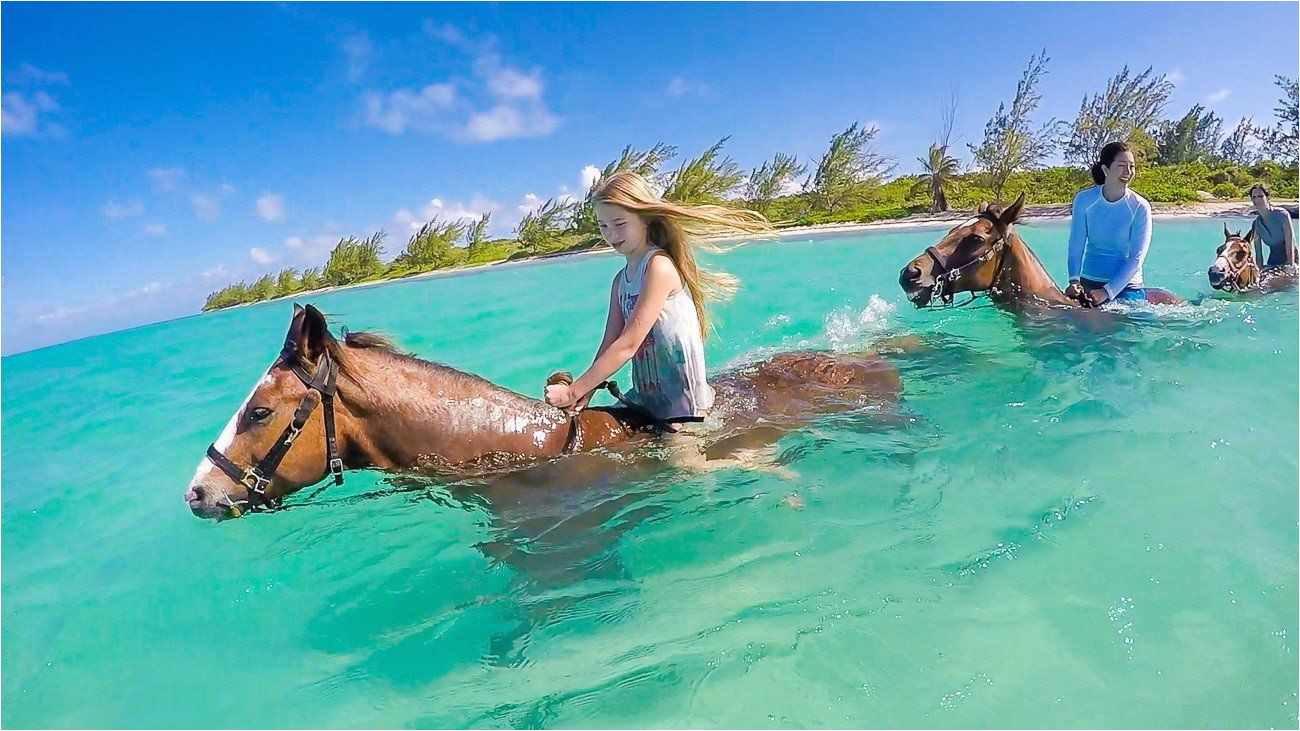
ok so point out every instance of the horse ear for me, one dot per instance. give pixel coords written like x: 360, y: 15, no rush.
x: 1226, y: 234
x: 308, y: 335
x: 1012, y: 213
x: 982, y: 207
x: 1249, y: 235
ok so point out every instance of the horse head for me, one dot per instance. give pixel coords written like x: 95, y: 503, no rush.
x: 965, y: 260
x: 281, y: 438
x: 1234, y: 268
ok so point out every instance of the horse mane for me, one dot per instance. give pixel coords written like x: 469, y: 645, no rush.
x: 370, y: 340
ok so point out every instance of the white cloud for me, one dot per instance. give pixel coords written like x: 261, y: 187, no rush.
x: 589, y: 175
x: 454, y: 211
x: 270, y: 207
x: 25, y: 114
x: 29, y: 75
x: 166, y: 180
x: 261, y: 256
x: 293, y: 242
x: 680, y: 87
x: 424, y: 110
x: 156, y: 229
x: 1176, y: 77
x: 30, y: 112
x: 122, y: 210
x: 358, y: 50
x: 206, y: 208
x: 1218, y: 96
x: 219, y: 270
x: 531, y: 203
x: 445, y: 32
x: 508, y: 83
x: 61, y: 313
x: 505, y: 122
x: 489, y: 101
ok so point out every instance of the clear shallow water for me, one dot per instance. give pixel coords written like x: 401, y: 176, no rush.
x: 1067, y: 528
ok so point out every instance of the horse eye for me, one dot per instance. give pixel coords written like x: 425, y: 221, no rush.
x: 259, y: 413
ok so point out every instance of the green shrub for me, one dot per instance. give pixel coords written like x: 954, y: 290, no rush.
x: 1226, y: 190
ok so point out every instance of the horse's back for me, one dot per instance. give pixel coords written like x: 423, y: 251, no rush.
x: 800, y: 385
x: 1158, y: 296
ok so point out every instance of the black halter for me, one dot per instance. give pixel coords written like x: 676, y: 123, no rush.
x: 945, y: 277
x: 321, y: 389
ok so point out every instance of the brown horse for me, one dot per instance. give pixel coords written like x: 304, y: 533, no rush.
x: 985, y: 254
x: 1235, y: 269
x: 327, y: 405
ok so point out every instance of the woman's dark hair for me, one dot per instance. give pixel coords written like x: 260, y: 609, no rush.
x: 1106, y: 158
x: 1261, y: 188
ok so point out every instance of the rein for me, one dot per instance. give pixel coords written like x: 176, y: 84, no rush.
x: 574, y: 439
x: 321, y: 389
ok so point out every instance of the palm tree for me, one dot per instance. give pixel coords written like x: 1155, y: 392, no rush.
x: 940, y: 168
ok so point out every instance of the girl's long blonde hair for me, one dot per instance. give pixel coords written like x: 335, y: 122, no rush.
x: 678, y: 230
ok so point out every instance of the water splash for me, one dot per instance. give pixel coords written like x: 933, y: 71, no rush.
x: 848, y: 330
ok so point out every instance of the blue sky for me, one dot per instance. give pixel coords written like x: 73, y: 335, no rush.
x: 154, y: 152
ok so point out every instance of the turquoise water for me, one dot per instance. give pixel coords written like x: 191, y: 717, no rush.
x: 1065, y: 528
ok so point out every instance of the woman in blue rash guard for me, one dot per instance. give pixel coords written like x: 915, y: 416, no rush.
x: 1110, y: 231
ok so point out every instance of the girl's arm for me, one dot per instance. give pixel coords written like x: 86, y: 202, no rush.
x: 1288, y: 235
x: 661, y: 280
x: 1078, y: 235
x: 1257, y: 241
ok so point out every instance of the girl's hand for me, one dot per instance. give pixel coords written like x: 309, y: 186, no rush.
x: 1097, y: 297
x: 1074, y: 291
x: 561, y: 395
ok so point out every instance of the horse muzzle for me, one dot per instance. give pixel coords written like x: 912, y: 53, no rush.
x: 206, y: 501
x: 1217, y: 276
x: 910, y: 279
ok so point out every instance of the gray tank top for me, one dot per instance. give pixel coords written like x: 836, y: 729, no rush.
x: 668, y: 376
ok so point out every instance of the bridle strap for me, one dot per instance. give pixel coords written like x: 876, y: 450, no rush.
x: 946, y: 277
x: 1234, y: 272
x: 322, y: 387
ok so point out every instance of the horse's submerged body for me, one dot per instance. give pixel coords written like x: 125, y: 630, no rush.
x: 395, y: 412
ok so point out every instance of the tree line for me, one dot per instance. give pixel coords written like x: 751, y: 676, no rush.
x: 1183, y: 157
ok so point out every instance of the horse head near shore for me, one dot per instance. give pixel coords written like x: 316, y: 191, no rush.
x: 985, y: 254
x: 1235, y: 269
x: 327, y: 405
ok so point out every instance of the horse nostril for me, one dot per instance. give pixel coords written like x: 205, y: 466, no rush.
x: 195, y: 493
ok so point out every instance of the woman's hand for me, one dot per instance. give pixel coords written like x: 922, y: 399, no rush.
x: 1097, y: 297
x: 561, y: 395
x: 1074, y: 291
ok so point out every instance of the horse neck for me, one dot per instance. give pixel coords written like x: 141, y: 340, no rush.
x: 400, y: 412
x: 1023, y: 278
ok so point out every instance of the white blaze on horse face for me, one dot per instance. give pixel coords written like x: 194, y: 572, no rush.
x: 227, y: 436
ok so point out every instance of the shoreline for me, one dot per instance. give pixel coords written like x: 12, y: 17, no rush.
x: 1055, y: 212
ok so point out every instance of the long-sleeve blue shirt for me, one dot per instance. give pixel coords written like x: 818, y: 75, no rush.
x: 1108, y: 241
